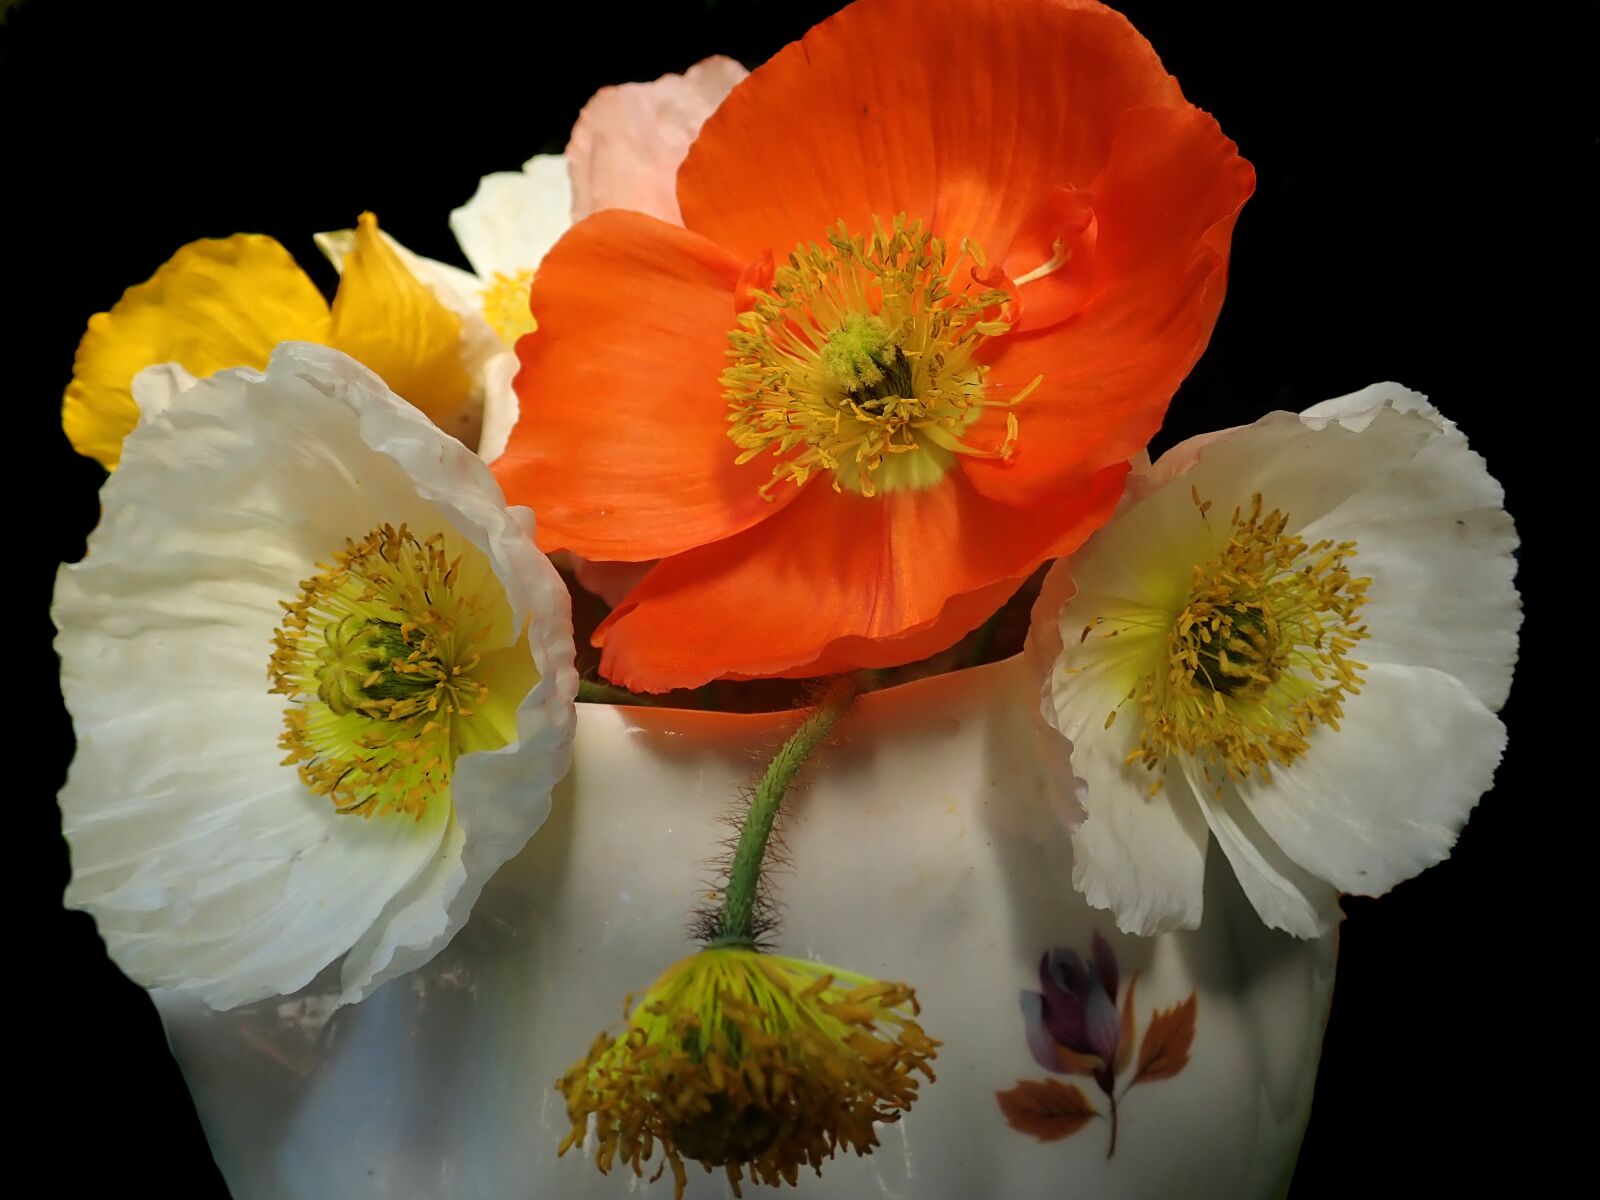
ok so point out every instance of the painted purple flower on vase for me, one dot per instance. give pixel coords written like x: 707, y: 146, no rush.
x: 1075, y: 1026
x: 1076, y: 1010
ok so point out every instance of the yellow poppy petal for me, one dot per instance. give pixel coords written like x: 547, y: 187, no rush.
x: 216, y: 303
x: 387, y: 318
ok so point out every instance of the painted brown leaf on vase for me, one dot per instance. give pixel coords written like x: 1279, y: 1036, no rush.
x: 1165, y: 1049
x: 1047, y: 1108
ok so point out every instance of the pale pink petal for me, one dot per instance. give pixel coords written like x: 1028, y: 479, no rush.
x: 629, y: 139
x: 611, y: 581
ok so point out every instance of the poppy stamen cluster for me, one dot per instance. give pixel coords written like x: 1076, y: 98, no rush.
x: 862, y: 359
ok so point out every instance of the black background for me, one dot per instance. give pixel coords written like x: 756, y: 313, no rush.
x: 1416, y: 219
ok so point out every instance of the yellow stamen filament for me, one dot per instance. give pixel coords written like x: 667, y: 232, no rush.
x: 752, y: 1063
x: 1258, y: 656
x: 505, y: 305
x: 862, y: 359
x: 381, y: 655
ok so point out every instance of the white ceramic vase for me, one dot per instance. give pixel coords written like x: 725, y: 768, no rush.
x: 924, y: 850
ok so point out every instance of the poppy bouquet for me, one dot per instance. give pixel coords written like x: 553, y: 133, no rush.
x: 812, y: 373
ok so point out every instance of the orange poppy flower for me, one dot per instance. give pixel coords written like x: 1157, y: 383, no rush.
x: 1011, y: 238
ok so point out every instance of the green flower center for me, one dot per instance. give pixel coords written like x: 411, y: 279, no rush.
x: 382, y: 657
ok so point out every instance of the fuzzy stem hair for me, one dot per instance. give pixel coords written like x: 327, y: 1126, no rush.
x: 738, y: 921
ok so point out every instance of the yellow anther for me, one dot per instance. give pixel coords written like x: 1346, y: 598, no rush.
x: 505, y: 305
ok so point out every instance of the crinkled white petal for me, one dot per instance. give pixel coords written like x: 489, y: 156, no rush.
x: 1284, y: 894
x: 1040, y: 650
x: 1382, y: 468
x: 1140, y: 855
x: 1303, y: 471
x: 1356, y: 410
x: 515, y: 217
x: 1439, y: 545
x: 1144, y: 556
x: 629, y: 140
x: 1384, y: 796
x: 155, y: 386
x: 1143, y: 857
x: 500, y: 405
x: 208, y: 867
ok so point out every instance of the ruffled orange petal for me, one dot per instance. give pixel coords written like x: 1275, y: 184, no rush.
x: 622, y: 446
x: 1164, y: 208
x: 837, y: 581
x: 954, y: 113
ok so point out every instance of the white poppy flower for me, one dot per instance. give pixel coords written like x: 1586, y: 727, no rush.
x: 1293, y: 638
x: 298, y: 560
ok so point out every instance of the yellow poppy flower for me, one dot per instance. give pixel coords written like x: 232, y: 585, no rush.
x: 226, y: 302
